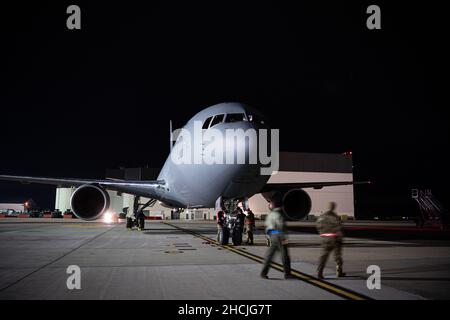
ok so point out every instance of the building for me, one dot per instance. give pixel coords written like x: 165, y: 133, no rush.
x: 314, y: 167
x: 7, y: 207
x: 294, y: 167
x: 18, y: 205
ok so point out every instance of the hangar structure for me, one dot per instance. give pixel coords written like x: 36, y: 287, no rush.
x: 19, y: 205
x: 293, y: 167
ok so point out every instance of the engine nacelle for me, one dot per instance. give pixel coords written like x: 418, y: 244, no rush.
x: 89, y: 202
x: 296, y: 204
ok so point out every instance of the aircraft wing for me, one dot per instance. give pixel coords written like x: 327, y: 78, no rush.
x: 302, y: 185
x: 140, y: 188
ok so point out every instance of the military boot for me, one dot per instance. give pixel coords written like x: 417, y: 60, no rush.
x: 339, y: 272
x: 320, y: 273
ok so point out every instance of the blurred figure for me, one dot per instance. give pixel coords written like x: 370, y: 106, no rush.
x: 330, y: 230
x: 221, y: 220
x: 140, y: 217
x: 275, y: 228
x: 249, y: 226
x: 129, y: 217
x: 419, y: 220
x: 240, y: 215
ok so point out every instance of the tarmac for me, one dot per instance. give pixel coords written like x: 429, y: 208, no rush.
x: 180, y: 260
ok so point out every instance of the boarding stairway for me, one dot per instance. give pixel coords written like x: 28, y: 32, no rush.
x: 431, y: 209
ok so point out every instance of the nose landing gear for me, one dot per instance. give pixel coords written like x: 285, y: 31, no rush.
x: 233, y: 226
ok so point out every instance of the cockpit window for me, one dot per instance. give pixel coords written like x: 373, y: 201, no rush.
x: 235, y: 117
x: 206, y: 123
x: 255, y: 119
x: 217, y: 119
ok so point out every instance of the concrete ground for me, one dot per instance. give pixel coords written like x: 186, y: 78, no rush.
x: 163, y: 262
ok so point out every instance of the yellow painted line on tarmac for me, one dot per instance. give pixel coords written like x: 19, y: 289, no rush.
x: 335, y: 289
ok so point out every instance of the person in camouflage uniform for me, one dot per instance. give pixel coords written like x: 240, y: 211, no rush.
x: 276, y: 229
x: 221, y: 220
x: 249, y: 225
x: 330, y: 230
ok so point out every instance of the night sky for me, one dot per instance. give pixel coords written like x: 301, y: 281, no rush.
x: 75, y: 102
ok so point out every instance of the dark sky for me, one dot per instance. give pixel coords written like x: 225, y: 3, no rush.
x: 76, y: 102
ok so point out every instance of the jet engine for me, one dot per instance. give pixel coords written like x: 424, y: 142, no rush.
x: 89, y: 202
x: 296, y: 204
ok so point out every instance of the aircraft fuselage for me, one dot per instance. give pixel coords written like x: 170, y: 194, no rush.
x: 196, y: 185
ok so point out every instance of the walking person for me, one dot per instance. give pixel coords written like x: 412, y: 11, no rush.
x: 330, y: 230
x: 275, y: 228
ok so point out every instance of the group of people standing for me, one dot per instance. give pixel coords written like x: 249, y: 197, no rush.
x: 245, y: 215
x: 137, y: 218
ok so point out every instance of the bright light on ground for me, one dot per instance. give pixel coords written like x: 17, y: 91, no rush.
x: 108, y: 217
